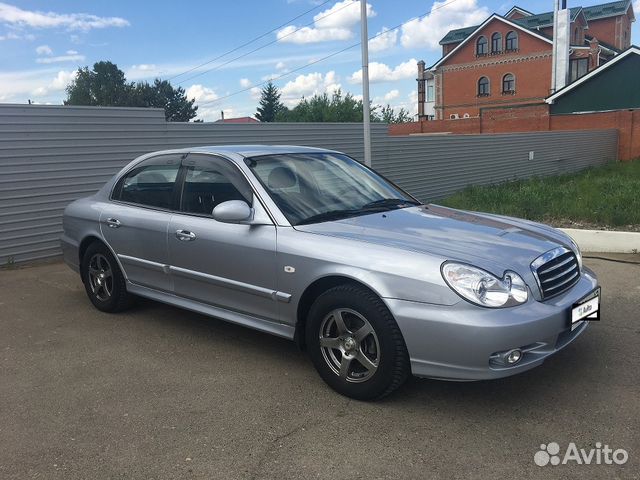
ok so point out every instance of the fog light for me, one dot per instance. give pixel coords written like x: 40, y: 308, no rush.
x: 513, y: 356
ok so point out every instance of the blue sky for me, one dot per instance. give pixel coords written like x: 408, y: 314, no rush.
x: 43, y: 43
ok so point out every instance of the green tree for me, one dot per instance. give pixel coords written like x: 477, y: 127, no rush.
x: 325, y: 108
x: 161, y: 94
x: 106, y: 85
x: 270, y: 106
x: 388, y: 115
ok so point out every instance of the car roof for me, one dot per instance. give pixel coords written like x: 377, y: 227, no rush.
x: 252, y: 150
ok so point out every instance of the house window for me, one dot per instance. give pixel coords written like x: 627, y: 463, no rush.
x: 430, y: 92
x: 483, y: 87
x: 578, y: 67
x: 509, y: 83
x: 481, y: 46
x: 511, y: 41
x: 576, y: 36
x: 496, y: 43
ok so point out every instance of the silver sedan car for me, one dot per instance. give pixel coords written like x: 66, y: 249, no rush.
x: 310, y: 245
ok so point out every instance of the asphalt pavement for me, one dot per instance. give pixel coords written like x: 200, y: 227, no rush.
x: 161, y: 393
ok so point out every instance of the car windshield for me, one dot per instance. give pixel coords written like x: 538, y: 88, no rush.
x: 318, y: 187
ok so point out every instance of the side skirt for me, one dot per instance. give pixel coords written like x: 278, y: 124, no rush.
x: 278, y: 329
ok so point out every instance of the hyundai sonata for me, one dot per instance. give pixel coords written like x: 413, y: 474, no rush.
x: 310, y: 245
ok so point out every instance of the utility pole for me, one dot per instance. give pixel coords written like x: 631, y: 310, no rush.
x: 366, y: 113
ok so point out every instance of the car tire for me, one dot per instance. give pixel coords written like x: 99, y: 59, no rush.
x: 103, y: 280
x: 355, y: 343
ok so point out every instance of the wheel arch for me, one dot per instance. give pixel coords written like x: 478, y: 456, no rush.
x: 313, y: 291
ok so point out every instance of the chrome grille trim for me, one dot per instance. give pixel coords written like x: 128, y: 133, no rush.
x: 551, y: 281
x: 554, y: 267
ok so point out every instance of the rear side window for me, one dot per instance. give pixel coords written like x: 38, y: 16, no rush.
x: 152, y: 183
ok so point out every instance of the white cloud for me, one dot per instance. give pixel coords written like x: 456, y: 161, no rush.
x: 381, y: 72
x: 15, y: 36
x: 72, y: 52
x: 62, y: 79
x: 391, y: 95
x: 201, y: 93
x: 384, y: 40
x: 308, y: 85
x: 12, y: 15
x: 44, y: 50
x: 59, y: 83
x: 335, y: 23
x: 428, y: 31
x: 61, y: 59
x: 256, y: 93
x: 245, y: 82
x: 143, y: 67
x: 282, y: 65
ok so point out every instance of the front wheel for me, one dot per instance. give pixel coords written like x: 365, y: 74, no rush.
x: 355, y: 343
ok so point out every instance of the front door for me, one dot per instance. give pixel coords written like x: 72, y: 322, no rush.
x: 222, y: 264
x: 135, y: 223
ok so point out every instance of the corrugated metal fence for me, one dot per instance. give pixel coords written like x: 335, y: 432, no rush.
x: 51, y: 155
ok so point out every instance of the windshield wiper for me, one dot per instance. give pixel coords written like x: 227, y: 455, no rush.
x: 330, y: 215
x: 386, y: 203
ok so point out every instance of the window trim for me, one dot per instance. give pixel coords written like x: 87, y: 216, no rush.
x: 486, y: 46
x: 496, y: 36
x: 509, y: 92
x: 180, y: 177
x: 516, y: 38
x: 118, y: 181
x: 183, y: 176
x: 488, y: 94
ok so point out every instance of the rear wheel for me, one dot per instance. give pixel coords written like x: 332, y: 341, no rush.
x: 103, y: 280
x: 355, y: 343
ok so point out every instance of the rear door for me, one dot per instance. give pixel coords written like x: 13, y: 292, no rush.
x: 135, y: 223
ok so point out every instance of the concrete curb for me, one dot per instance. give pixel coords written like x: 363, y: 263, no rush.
x: 605, y: 241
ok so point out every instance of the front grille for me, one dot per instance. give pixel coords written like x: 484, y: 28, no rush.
x: 556, y: 271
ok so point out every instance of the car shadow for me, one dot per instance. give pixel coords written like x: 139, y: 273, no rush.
x: 529, y: 390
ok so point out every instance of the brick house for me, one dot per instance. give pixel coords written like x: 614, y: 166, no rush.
x: 508, y: 60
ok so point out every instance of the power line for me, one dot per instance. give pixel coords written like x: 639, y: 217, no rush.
x: 217, y: 67
x: 418, y: 17
x: 251, y: 41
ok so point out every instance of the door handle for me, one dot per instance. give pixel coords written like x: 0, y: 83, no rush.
x: 185, y: 235
x: 113, y: 222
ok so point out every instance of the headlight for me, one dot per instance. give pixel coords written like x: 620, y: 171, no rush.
x: 484, y: 289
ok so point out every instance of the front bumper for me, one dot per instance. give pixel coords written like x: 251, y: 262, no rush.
x: 457, y: 342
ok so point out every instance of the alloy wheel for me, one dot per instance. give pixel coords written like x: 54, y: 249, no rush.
x: 349, y: 345
x: 100, y: 277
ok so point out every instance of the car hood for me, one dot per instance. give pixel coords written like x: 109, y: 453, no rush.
x: 492, y: 242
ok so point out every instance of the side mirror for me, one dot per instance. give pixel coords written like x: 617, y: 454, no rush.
x: 233, y: 211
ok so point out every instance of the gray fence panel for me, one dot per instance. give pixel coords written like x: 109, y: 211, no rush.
x: 434, y: 166
x: 52, y: 155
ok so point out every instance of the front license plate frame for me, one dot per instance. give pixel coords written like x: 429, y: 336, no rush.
x: 587, y: 308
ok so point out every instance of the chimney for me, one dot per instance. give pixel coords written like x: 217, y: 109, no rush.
x: 421, y: 89
x: 222, y: 115
x: 561, y: 37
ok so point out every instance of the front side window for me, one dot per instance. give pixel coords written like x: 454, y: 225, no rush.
x: 508, y: 83
x: 481, y: 46
x: 496, y: 43
x: 151, y: 183
x: 483, y: 87
x: 208, y: 182
x: 511, y: 41
x: 317, y: 187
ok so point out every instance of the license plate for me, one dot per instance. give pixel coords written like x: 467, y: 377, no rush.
x: 588, y: 308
